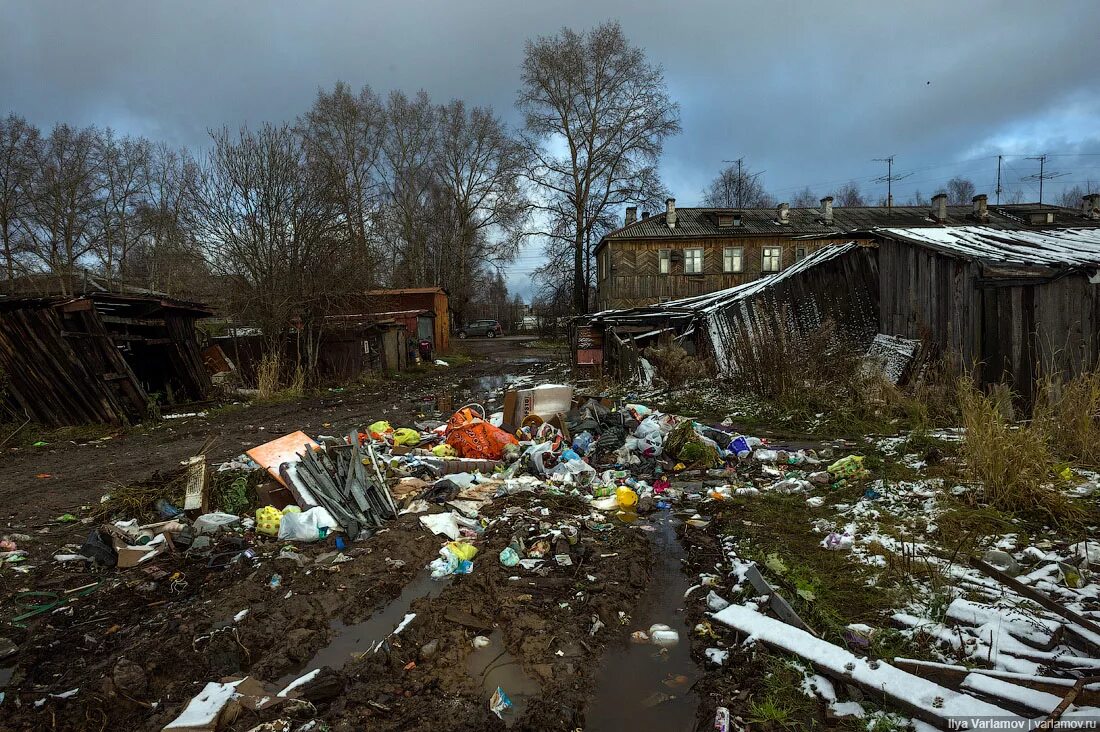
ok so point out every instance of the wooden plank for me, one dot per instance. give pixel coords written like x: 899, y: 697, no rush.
x: 776, y: 601
x: 953, y: 676
x: 1033, y: 594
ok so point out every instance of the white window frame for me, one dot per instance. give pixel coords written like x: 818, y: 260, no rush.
x: 690, y: 258
x: 664, y: 261
x: 733, y: 259
x: 768, y: 253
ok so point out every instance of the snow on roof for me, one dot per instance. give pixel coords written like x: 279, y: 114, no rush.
x: 1052, y: 247
x: 713, y: 300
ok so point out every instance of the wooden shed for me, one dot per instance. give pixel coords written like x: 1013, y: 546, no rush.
x: 100, y: 357
x: 1016, y: 303
x: 433, y: 299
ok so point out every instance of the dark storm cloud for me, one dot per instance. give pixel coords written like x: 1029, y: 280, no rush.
x: 808, y: 91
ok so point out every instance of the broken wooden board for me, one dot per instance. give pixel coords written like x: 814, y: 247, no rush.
x: 196, y: 497
x: 776, y: 601
x: 953, y: 676
x: 285, y: 449
x: 916, y: 696
x: 1032, y: 594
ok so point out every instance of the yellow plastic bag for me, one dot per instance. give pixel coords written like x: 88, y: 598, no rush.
x: 268, y: 519
x: 406, y: 436
x: 462, y: 550
x: 380, y: 429
x: 626, y: 497
x: 847, y: 467
x: 444, y: 451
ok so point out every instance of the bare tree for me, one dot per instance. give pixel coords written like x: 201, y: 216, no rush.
x: 409, y: 153
x: 597, y: 97
x: 343, y: 135
x: 480, y: 169
x: 17, y: 142
x: 960, y: 191
x: 271, y: 227
x: 849, y: 195
x: 737, y: 189
x: 64, y: 225
x: 805, y: 199
x: 919, y: 199
x: 124, y: 164
x: 1072, y: 195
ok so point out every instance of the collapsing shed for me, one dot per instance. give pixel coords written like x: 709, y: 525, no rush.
x: 1018, y: 304
x: 101, y: 357
x: 836, y: 284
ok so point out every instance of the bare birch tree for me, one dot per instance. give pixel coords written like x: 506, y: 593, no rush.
x: 595, y: 97
x: 17, y: 141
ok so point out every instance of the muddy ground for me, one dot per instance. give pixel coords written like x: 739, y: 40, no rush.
x: 138, y: 644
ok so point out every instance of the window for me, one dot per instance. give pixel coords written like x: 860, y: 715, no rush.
x: 772, y: 259
x: 732, y: 259
x: 693, y: 261
x: 605, y: 264
x: 799, y: 254
x: 665, y: 259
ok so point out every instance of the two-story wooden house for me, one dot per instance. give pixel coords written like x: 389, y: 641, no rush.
x: 692, y: 251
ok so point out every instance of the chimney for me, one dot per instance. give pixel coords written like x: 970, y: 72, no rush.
x: 645, y: 215
x: 981, y: 207
x: 939, y: 207
x: 827, y: 209
x: 1092, y: 205
x: 783, y: 213
x: 670, y: 213
x: 631, y: 215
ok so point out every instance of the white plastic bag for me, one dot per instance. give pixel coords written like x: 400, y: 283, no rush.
x: 311, y: 525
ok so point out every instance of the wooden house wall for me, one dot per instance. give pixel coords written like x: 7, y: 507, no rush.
x: 634, y: 278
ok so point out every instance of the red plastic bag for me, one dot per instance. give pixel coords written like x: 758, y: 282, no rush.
x: 473, y: 437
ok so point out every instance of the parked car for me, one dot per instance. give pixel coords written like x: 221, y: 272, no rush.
x: 487, y: 328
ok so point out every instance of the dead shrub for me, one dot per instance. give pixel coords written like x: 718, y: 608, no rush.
x: 268, y: 370
x: 1013, y: 463
x: 676, y: 366
x: 1069, y: 414
x: 820, y: 371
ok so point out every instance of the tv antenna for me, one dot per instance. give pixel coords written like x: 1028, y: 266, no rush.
x: 740, y: 180
x: 1042, y: 175
x: 889, y: 179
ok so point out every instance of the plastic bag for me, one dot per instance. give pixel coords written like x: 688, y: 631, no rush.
x: 380, y: 429
x: 406, y: 436
x: 462, y: 549
x: 847, y: 467
x: 311, y: 525
x: 444, y: 451
x: 473, y: 437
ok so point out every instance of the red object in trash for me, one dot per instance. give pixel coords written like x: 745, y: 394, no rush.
x: 472, y: 437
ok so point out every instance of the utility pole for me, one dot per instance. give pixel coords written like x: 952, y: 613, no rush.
x: 1042, y: 175
x: 998, y: 191
x: 889, y: 179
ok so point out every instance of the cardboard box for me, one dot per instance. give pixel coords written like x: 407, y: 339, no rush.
x: 544, y: 401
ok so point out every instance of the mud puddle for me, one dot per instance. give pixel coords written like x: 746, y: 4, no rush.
x: 496, y: 667
x: 363, y: 637
x: 641, y: 686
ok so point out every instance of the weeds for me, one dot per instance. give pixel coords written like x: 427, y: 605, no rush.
x: 676, y: 366
x: 1069, y: 413
x: 1012, y: 463
x: 268, y: 376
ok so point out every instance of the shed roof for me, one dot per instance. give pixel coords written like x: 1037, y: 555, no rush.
x: 409, y: 291
x: 703, y: 222
x: 1067, y: 247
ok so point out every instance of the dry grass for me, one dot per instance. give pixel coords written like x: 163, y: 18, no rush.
x: 1069, y: 413
x: 1013, y: 463
x: 268, y: 378
x: 675, y: 366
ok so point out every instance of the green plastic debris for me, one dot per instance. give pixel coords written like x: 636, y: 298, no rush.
x: 41, y: 443
x: 65, y: 518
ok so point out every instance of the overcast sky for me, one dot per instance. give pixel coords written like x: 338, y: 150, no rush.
x: 809, y: 92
